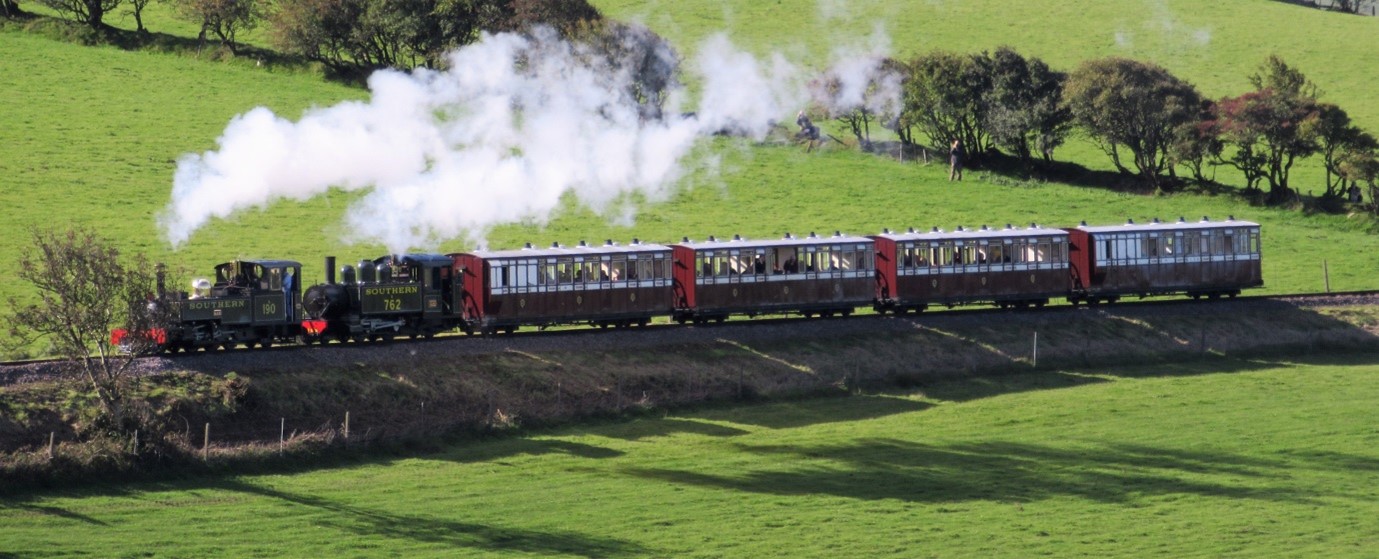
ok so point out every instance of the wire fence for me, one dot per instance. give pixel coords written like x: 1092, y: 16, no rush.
x: 240, y: 434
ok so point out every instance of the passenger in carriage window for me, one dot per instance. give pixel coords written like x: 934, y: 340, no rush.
x: 759, y: 265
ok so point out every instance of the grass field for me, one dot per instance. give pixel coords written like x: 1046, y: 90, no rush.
x: 92, y: 134
x: 1218, y: 458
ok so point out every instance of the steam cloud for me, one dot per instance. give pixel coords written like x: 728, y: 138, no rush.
x: 516, y: 124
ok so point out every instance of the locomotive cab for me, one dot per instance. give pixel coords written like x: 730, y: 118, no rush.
x: 411, y: 295
x: 246, y: 302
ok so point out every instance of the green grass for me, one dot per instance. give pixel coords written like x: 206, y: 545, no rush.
x: 1220, y: 458
x: 92, y: 135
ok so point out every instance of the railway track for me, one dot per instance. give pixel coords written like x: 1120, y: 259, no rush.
x: 657, y: 333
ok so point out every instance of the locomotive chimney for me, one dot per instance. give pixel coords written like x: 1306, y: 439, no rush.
x: 161, y: 274
x: 330, y: 270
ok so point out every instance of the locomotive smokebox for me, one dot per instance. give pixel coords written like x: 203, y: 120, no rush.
x: 330, y: 270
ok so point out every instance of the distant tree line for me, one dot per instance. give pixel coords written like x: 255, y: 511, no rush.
x: 1346, y: 6
x: 351, y: 35
x: 1150, y: 123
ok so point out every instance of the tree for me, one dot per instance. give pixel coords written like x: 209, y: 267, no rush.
x: 85, y: 290
x: 1194, y: 145
x: 138, y: 6
x: 224, y: 18
x: 89, y: 12
x: 1340, y: 143
x: 565, y: 16
x: 1023, y: 105
x: 944, y: 98
x: 647, y: 59
x: 1348, y: 6
x: 10, y: 8
x: 354, y: 35
x: 1131, y: 105
x: 860, y: 92
x: 1272, y: 127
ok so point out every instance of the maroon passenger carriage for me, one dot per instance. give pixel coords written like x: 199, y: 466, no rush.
x: 1206, y: 258
x: 618, y: 285
x: 809, y: 275
x: 1007, y: 267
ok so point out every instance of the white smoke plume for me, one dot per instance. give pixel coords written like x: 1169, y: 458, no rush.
x: 859, y: 79
x: 516, y: 124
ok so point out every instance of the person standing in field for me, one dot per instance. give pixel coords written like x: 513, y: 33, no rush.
x: 955, y: 156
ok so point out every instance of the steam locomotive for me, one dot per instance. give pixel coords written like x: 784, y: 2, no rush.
x: 260, y: 302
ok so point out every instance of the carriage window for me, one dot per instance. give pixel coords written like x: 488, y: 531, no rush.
x: 740, y: 263
x: 821, y: 260
x: 844, y: 260
x: 663, y: 268
x: 530, y: 276
x: 1168, y: 246
x: 1254, y: 242
x: 995, y: 254
x: 943, y: 255
x: 962, y: 255
x: 865, y: 259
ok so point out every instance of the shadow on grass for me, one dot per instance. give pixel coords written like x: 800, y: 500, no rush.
x: 56, y: 512
x: 787, y: 415
x: 996, y: 471
x: 367, y: 521
x: 976, y: 388
x: 640, y: 429
x: 498, y: 450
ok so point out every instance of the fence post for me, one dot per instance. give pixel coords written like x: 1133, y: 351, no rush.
x: 282, y: 432
x: 52, y: 435
x: 136, y: 441
x: 206, y: 443
x: 1034, y: 361
x: 347, y: 427
x: 1326, y: 276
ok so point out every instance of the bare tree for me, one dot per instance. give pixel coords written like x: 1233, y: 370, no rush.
x: 138, y: 6
x: 224, y: 18
x: 10, y: 8
x: 90, y: 12
x: 85, y: 291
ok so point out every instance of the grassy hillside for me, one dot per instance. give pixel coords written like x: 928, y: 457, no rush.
x: 92, y: 134
x: 1214, y: 44
x: 1178, y: 461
